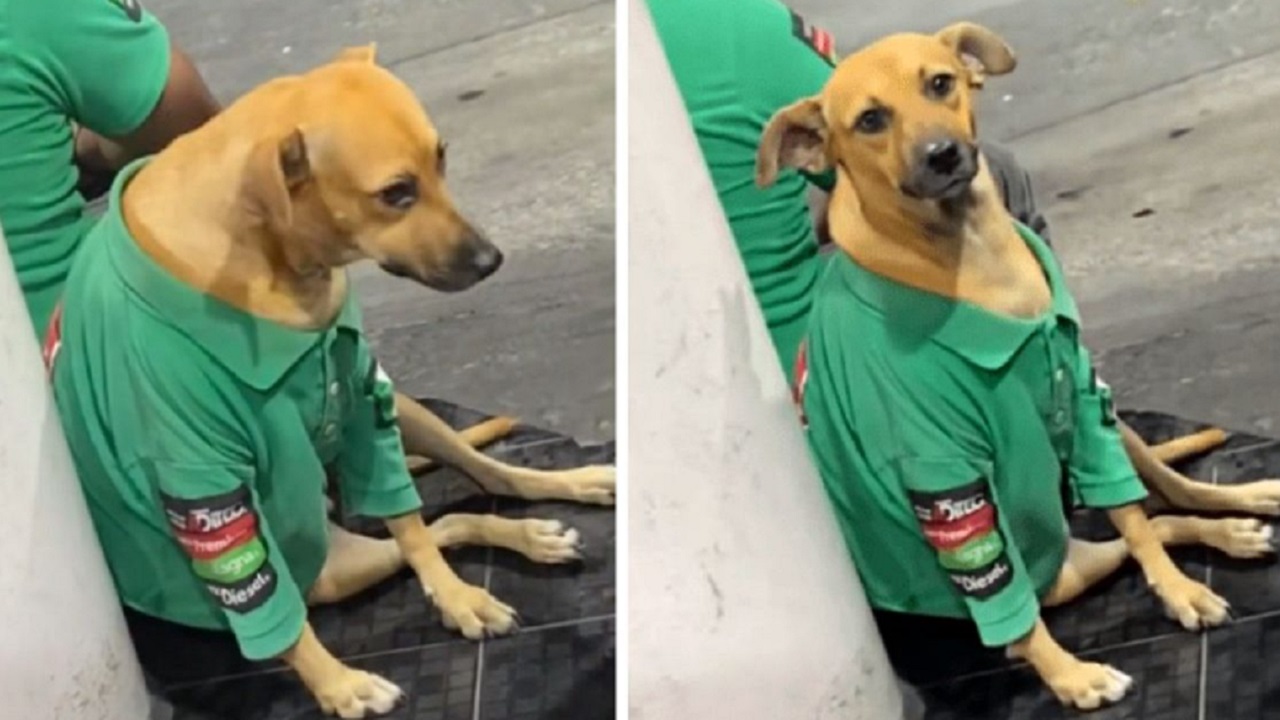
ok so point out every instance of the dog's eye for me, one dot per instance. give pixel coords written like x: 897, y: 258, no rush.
x: 401, y: 194
x: 872, y: 121
x: 941, y: 85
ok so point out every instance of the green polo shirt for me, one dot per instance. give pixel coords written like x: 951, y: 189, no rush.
x: 736, y: 63
x: 101, y: 63
x: 203, y: 437
x: 942, y: 433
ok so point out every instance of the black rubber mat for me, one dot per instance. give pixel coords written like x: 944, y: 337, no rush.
x: 560, y: 664
x: 1229, y: 673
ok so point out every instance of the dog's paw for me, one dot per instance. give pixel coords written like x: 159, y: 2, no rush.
x: 474, y: 612
x: 1192, y: 604
x: 357, y: 694
x: 1244, y: 538
x: 1088, y: 686
x: 1256, y: 498
x: 594, y: 484
x: 550, y: 542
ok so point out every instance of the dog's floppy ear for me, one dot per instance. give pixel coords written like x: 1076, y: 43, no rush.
x: 796, y: 136
x: 367, y: 54
x: 982, y: 51
x: 276, y: 168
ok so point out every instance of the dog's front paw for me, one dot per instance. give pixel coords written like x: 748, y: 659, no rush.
x: 1087, y: 686
x: 1244, y: 538
x: 1256, y: 498
x: 474, y: 612
x: 357, y: 694
x: 594, y: 484
x: 550, y: 542
x: 1191, y: 603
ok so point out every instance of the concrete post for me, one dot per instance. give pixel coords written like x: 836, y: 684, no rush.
x: 743, y: 601
x: 64, y: 650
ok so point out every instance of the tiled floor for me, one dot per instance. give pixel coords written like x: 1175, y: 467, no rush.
x: 1230, y: 673
x: 559, y: 666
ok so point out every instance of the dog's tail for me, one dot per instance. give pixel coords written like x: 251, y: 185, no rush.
x: 1188, y: 445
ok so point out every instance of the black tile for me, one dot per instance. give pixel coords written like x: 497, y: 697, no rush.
x: 556, y: 593
x: 1243, y: 677
x: 1165, y: 671
x: 566, y: 671
x: 440, y: 682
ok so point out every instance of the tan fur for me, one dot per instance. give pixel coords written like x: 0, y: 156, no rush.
x: 962, y: 244
x: 263, y: 208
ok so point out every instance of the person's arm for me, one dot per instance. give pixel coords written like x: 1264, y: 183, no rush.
x: 1014, y: 183
x: 112, y: 68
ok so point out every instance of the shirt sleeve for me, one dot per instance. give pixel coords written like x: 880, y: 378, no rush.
x: 959, y: 518
x: 373, y: 476
x: 105, y: 62
x: 1100, y: 469
x: 200, y: 462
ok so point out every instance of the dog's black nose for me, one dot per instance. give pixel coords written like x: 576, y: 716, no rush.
x: 487, y: 260
x: 943, y: 156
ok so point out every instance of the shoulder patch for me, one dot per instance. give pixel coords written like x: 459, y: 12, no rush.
x: 131, y: 8
x: 219, y: 533
x: 820, y: 41
x: 379, y: 388
x: 960, y: 525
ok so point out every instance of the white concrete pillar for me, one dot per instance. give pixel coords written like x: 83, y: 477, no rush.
x: 64, y: 650
x: 743, y: 601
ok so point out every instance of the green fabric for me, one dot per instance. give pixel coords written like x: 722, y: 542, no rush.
x: 190, y: 420
x: 942, y: 433
x: 101, y: 63
x: 737, y: 62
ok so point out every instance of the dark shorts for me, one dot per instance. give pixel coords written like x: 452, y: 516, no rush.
x: 171, y: 653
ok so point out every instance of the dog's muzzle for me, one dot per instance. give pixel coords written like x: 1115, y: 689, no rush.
x: 943, y: 170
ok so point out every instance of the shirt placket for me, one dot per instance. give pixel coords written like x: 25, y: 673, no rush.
x: 331, y: 412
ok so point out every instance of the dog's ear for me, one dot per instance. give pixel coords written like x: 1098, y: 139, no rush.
x: 367, y: 54
x: 276, y: 168
x: 796, y: 136
x: 982, y: 51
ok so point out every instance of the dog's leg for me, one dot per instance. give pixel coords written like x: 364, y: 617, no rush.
x: 425, y: 434
x: 542, y: 541
x: 1078, y: 684
x: 339, y: 689
x: 1188, y: 601
x: 354, y: 564
x: 464, y: 607
x: 1179, y: 491
x: 1088, y: 563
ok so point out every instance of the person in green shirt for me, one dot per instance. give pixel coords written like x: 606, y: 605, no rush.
x: 85, y: 87
x: 210, y: 451
x: 736, y: 63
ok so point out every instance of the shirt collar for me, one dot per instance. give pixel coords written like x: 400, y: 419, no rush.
x: 983, y: 338
x: 256, y: 350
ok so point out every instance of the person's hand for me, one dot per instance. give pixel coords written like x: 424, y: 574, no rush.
x: 92, y: 157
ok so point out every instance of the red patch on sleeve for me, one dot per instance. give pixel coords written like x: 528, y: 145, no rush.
x: 801, y: 374
x: 211, y: 544
x: 52, y: 339
x: 951, y: 535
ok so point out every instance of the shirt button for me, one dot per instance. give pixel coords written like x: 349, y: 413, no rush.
x: 1059, y: 417
x: 330, y: 430
x: 334, y: 389
x: 1059, y: 374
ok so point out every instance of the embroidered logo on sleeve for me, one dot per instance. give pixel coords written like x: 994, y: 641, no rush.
x: 801, y: 374
x: 380, y: 388
x: 131, y: 8
x: 820, y: 41
x: 220, y: 535
x: 960, y: 524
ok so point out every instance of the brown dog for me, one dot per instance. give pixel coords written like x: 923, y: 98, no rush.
x: 914, y: 203
x: 262, y: 209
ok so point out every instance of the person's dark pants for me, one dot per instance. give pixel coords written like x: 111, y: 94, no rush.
x: 171, y: 654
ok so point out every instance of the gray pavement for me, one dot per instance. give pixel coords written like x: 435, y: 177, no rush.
x: 524, y: 94
x: 1163, y: 110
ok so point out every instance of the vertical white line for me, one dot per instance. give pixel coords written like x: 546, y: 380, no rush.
x: 1204, y: 637
x: 622, y: 235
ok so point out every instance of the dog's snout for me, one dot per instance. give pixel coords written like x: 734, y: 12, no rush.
x: 487, y: 260
x: 943, y: 156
